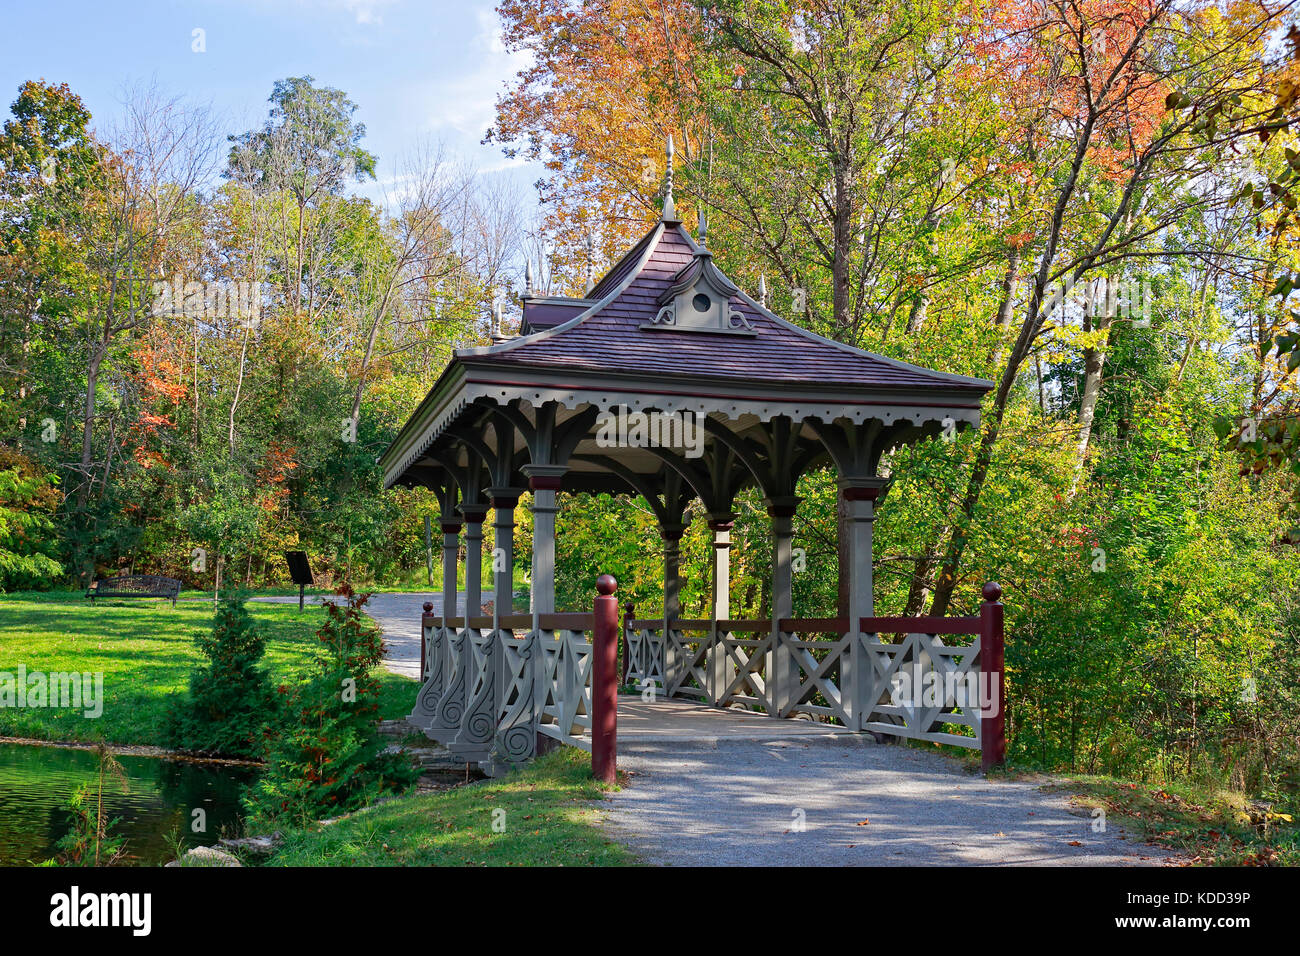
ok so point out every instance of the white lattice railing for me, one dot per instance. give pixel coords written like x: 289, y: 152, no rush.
x: 491, y: 693
x: 849, y: 679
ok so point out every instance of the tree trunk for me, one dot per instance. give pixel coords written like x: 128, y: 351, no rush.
x: 842, y: 240
x: 88, y: 426
x: 916, y: 318
x: 1005, y: 310
x: 197, y: 435
x: 922, y: 577
x: 1093, y: 360
x: 239, y: 388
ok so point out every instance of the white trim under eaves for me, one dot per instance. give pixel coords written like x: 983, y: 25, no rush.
x: 888, y: 410
x: 434, y: 410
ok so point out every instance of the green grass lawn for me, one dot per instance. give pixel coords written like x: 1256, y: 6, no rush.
x: 146, y: 651
x: 547, y: 821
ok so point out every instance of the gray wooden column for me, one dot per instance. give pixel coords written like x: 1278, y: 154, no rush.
x: 474, y: 515
x: 720, y: 671
x: 450, y: 555
x: 544, y: 481
x: 858, y: 498
x: 504, y: 501
x: 721, y: 526
x: 781, y: 671
x: 672, y: 539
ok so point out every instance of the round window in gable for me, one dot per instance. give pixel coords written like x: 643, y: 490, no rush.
x: 701, y: 302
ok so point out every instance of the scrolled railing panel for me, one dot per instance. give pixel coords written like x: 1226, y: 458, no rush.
x: 478, y: 725
x: 438, y: 666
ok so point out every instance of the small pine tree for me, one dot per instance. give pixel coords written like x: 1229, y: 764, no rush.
x: 231, y: 701
x: 328, y: 757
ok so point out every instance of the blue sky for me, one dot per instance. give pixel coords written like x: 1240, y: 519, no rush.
x: 418, y: 69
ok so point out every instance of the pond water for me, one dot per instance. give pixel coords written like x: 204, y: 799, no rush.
x: 36, y: 783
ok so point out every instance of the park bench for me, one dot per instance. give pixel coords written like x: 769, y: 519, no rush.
x: 135, y: 585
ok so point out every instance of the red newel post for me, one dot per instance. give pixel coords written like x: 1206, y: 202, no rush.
x: 428, y: 609
x: 993, y: 739
x: 604, y: 682
x: 629, y: 612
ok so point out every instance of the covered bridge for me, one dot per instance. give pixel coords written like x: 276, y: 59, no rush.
x: 669, y: 382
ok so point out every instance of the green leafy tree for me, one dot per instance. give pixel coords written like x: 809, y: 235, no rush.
x: 26, y: 543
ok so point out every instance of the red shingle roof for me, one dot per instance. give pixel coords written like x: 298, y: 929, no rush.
x: 611, y: 338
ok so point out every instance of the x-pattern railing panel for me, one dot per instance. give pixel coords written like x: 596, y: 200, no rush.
x: 645, y: 650
x: 747, y: 660
x: 930, y: 673
x: 566, y: 713
x: 689, y: 677
x: 819, y: 676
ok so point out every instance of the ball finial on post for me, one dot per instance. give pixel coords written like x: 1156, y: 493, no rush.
x: 606, y: 585
x: 993, y: 592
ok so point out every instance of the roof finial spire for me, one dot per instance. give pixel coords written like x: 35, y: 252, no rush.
x: 670, y: 211
x: 528, y: 277
x: 762, y: 290
x: 591, y: 271
x: 704, y: 226
x: 498, y: 333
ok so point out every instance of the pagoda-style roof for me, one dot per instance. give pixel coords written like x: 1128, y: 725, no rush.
x: 666, y: 330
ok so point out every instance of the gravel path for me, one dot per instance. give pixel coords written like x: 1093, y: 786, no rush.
x: 742, y: 803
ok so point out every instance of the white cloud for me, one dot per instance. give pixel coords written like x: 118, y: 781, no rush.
x: 466, y: 100
x: 367, y: 11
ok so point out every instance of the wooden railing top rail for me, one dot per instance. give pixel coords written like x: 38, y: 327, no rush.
x: 920, y: 625
x: 514, y: 622
x: 681, y: 624
x: 733, y: 624
x: 567, y: 621
x: 571, y: 621
x: 795, y: 624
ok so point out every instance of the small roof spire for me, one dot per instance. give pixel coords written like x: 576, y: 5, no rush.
x: 670, y: 210
x: 704, y: 226
x: 762, y: 290
x: 591, y: 269
x: 499, y: 333
x: 528, y: 277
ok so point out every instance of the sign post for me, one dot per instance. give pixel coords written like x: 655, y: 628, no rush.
x: 300, y: 571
